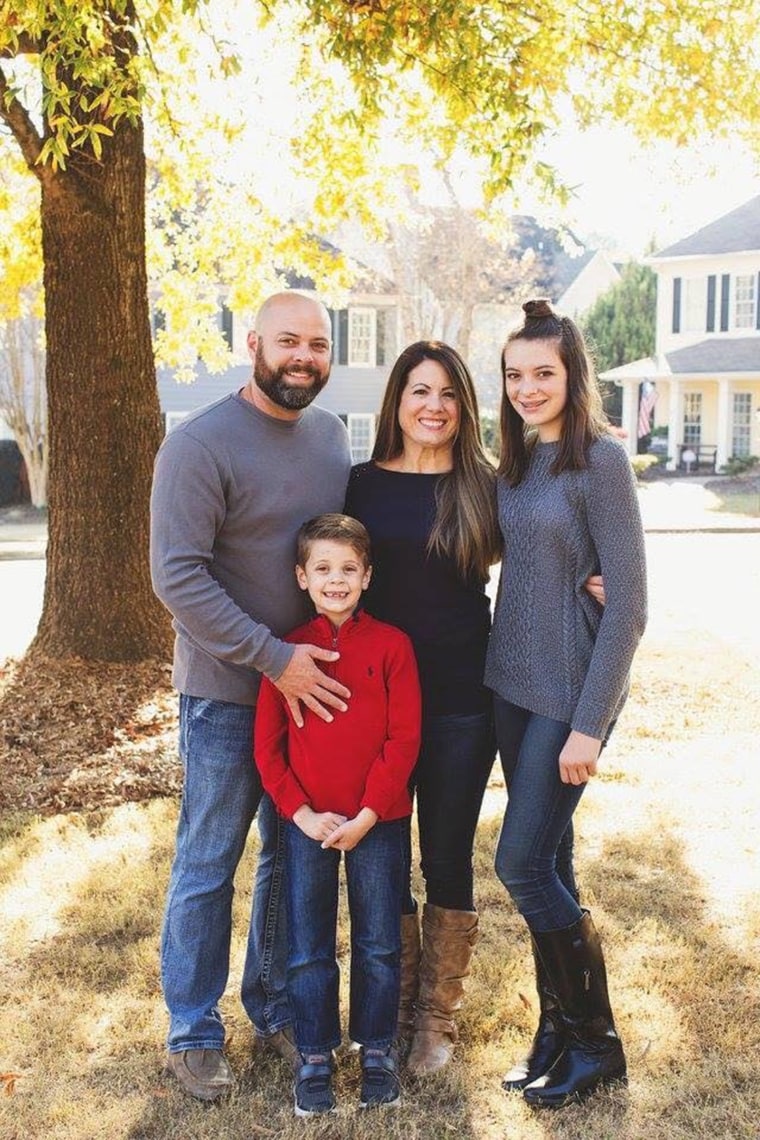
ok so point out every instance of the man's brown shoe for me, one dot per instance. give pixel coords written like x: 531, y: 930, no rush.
x: 202, y: 1073
x: 283, y: 1043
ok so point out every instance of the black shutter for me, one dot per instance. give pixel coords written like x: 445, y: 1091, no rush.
x: 676, y: 304
x: 343, y: 336
x: 711, y: 303
x: 725, y: 283
x: 227, y: 325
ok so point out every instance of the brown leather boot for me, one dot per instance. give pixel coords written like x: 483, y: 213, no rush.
x: 448, y: 938
x: 411, y: 951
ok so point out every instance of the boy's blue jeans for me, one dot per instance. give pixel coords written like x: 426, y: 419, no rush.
x: 534, y: 856
x: 221, y: 795
x: 374, y: 877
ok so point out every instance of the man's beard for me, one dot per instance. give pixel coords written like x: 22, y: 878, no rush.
x: 274, y: 384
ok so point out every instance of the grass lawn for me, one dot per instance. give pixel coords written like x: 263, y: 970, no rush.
x: 740, y: 503
x: 667, y: 857
x: 737, y: 495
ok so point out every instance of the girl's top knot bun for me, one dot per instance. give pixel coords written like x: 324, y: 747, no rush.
x: 538, y: 309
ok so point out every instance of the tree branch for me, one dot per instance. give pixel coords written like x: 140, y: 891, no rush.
x: 16, y: 116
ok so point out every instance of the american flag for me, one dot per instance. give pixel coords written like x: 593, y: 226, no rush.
x: 647, y: 401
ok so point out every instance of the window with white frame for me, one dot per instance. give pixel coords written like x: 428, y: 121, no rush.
x: 362, y: 337
x: 744, y: 300
x: 692, y: 418
x: 741, y: 425
x: 361, y: 434
x: 693, y: 304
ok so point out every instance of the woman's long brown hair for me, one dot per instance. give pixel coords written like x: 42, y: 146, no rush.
x: 584, y: 419
x: 465, y: 526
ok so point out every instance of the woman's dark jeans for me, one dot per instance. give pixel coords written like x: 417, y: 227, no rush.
x: 455, y: 762
x: 534, y: 857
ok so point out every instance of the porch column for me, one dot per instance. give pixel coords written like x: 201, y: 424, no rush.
x: 675, y: 422
x: 724, y: 423
x: 629, y: 418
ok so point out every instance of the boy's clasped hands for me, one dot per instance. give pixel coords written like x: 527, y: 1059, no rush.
x: 332, y: 829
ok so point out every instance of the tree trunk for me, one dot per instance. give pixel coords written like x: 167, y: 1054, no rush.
x: 103, y: 411
x: 464, y: 335
x: 35, y: 448
x: 35, y: 463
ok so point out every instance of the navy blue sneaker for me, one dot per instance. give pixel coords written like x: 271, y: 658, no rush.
x: 312, y: 1091
x: 381, y: 1086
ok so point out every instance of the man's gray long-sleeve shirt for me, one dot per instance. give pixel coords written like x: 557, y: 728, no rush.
x: 553, y: 649
x: 231, y: 487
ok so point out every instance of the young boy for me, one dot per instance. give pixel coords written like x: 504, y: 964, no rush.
x: 342, y: 786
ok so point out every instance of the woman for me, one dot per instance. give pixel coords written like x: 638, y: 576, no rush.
x: 558, y: 664
x: 427, y: 499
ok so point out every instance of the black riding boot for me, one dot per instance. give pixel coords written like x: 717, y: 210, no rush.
x: 593, y: 1054
x: 549, y: 1038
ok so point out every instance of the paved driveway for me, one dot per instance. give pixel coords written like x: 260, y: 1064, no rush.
x: 21, y: 586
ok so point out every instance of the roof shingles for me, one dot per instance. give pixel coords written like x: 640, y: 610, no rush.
x: 719, y: 355
x: 736, y: 232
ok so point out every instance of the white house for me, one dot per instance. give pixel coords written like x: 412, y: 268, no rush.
x: 706, y: 366
x: 581, y: 280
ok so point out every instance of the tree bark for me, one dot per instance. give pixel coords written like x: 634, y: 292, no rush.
x: 103, y: 410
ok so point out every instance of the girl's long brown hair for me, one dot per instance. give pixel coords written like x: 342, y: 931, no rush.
x: 584, y: 419
x: 465, y: 526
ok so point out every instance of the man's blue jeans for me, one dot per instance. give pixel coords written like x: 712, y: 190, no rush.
x: 534, y: 857
x: 221, y: 794
x: 374, y: 877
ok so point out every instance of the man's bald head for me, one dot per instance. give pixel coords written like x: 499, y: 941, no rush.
x: 290, y: 346
x: 289, y: 305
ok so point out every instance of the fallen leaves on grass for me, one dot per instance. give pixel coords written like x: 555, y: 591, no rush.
x: 8, y: 1081
x: 82, y: 735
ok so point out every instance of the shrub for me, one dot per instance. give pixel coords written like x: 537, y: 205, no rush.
x: 738, y: 464
x: 642, y: 463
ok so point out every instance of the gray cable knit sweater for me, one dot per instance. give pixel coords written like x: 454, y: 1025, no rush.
x: 553, y: 649
x: 231, y: 487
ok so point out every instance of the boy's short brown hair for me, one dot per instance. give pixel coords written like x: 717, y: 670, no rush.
x: 333, y: 528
